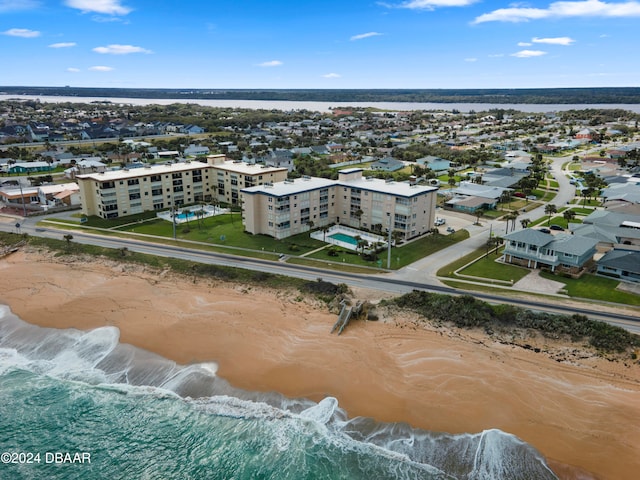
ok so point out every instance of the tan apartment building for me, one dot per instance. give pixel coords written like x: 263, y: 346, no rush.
x: 294, y: 206
x: 229, y: 177
x: 124, y: 192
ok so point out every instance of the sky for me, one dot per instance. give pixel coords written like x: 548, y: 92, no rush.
x: 329, y: 44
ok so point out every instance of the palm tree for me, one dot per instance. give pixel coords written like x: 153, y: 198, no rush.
x: 568, y: 215
x: 550, y: 209
x: 525, y: 222
x: 479, y: 212
x: 358, y: 214
x: 325, y: 229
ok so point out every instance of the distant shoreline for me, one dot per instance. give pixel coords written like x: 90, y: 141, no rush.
x: 540, y: 96
x: 324, y: 107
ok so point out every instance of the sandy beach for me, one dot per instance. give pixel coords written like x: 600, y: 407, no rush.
x: 579, y: 410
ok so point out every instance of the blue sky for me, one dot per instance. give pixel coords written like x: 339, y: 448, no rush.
x: 320, y: 44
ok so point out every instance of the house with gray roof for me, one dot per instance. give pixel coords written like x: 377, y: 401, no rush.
x: 623, y: 227
x: 387, y: 164
x: 536, y: 249
x: 621, y: 264
x: 468, y: 197
x: 436, y: 164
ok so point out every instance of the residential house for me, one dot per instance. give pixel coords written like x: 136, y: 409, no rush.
x: 196, y: 150
x: 535, y: 249
x: 607, y: 226
x: 620, y: 264
x: 469, y: 197
x: 53, y: 195
x: 387, y: 164
x: 437, y: 164
x: 30, y: 167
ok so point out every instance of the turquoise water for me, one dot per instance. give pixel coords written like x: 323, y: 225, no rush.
x: 343, y: 237
x: 140, y: 416
x: 185, y: 215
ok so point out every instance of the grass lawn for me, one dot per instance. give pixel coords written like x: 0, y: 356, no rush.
x: 400, y: 256
x: 488, y: 268
x: 590, y: 203
x: 226, y: 230
x: 493, y: 214
x: 595, y: 288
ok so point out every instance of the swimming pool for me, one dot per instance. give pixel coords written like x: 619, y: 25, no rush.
x: 185, y: 215
x: 343, y: 237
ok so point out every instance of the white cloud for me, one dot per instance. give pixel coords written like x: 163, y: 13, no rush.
x: 109, y: 7
x: 62, y: 45
x: 524, y: 44
x: 471, y: 59
x: 14, y: 5
x: 21, y: 32
x: 116, y: 49
x: 566, y: 41
x: 272, y: 63
x: 73, y: 70
x: 365, y: 35
x: 432, y: 4
x: 585, y: 8
x: 528, y: 53
x: 496, y: 55
x: 332, y: 75
x: 100, y: 68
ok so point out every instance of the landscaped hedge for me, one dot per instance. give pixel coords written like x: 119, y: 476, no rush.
x: 465, y: 311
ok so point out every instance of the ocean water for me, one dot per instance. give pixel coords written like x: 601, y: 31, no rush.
x: 81, y: 405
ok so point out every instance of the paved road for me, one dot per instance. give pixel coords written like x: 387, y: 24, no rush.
x: 419, y: 275
x: 384, y: 283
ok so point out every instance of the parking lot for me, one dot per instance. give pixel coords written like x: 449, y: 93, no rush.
x: 455, y: 220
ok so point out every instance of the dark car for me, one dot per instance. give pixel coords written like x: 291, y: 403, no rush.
x: 519, y: 195
x: 556, y: 227
x: 545, y: 230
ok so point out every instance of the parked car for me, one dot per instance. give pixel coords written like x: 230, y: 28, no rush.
x: 519, y: 195
x: 440, y: 221
x: 451, y: 229
x: 545, y: 230
x: 556, y: 227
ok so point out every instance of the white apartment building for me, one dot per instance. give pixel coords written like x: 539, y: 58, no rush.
x: 229, y: 177
x: 118, y: 193
x: 290, y: 207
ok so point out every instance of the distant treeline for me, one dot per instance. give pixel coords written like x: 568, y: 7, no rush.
x: 620, y: 95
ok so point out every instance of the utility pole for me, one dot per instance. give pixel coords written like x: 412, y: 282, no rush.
x: 389, y: 244
x: 24, y: 207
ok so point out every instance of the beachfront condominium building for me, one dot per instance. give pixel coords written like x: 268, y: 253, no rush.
x: 294, y: 206
x: 229, y: 177
x: 118, y: 193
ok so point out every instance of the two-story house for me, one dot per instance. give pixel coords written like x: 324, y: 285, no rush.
x: 536, y: 249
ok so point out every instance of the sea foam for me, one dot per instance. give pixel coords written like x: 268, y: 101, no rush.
x: 295, y: 428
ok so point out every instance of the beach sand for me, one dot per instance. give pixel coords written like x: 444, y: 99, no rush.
x: 582, y: 412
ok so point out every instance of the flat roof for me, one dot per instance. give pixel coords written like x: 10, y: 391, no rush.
x: 291, y: 187
x: 299, y: 185
x: 247, y: 168
x: 379, y: 185
x: 112, y: 175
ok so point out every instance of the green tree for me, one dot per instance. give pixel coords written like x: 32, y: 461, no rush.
x: 550, y: 209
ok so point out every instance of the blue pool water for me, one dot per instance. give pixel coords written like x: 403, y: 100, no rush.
x: 185, y: 215
x: 343, y: 237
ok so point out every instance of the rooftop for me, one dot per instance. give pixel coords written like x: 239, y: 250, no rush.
x: 113, y: 175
